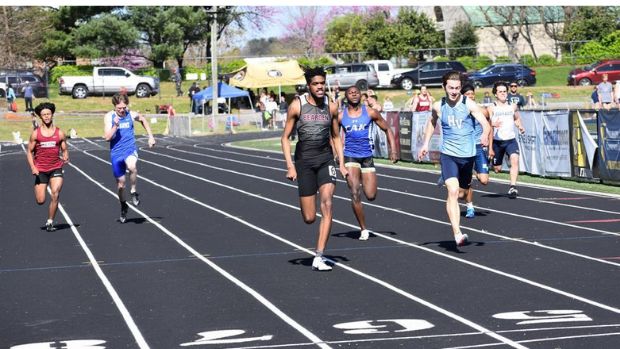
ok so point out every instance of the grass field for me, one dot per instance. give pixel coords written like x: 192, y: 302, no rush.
x: 273, y: 144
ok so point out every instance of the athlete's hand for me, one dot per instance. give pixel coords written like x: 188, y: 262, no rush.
x: 521, y: 130
x: 343, y: 171
x: 66, y: 160
x: 491, y: 154
x: 484, y: 140
x: 116, y: 119
x: 291, y: 173
x: 151, y: 142
x: 35, y: 171
x: 496, y: 123
x: 393, y: 157
x: 422, y: 153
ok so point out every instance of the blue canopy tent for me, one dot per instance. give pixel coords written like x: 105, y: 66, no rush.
x: 223, y: 91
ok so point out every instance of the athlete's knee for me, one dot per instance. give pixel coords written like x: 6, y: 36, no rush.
x: 484, y: 180
x: 371, y: 196
x: 308, y: 218
x: 326, y: 206
x: 40, y: 201
x: 356, y: 196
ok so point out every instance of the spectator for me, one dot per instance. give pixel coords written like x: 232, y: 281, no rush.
x: 28, y: 94
x: 595, y: 101
x: 514, y: 97
x: 10, y: 97
x: 617, y: 93
x: 409, y: 104
x: 606, y: 93
x: 177, y: 81
x: 283, y: 109
x: 487, y: 98
x: 531, y: 102
x: 194, y: 103
x: 374, y: 104
x: 387, y: 104
x: 423, y: 101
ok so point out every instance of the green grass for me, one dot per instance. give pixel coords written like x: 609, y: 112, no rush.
x: 274, y: 145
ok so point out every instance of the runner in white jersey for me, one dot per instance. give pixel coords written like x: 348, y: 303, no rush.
x: 504, y: 116
x: 316, y: 120
x: 458, y: 150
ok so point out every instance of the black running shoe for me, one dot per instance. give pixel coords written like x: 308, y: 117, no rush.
x: 124, y: 209
x: 135, y: 199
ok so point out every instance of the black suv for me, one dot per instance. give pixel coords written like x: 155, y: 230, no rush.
x: 427, y: 73
x: 18, y: 80
x: 508, y: 72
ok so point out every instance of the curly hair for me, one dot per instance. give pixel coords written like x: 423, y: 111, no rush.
x: 497, y: 84
x: 45, y: 105
x: 120, y: 97
x: 309, y: 73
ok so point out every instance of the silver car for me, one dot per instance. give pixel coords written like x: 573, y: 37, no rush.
x: 361, y: 75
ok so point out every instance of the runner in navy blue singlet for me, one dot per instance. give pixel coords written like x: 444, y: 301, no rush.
x: 358, y: 122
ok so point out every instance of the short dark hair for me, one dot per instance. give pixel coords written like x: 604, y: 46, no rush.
x: 309, y: 73
x: 452, y: 75
x: 118, y: 98
x: 467, y: 88
x: 499, y: 83
x: 45, y: 105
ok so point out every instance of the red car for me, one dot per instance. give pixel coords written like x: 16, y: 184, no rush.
x: 593, y: 73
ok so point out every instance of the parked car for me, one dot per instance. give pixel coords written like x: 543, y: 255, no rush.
x: 361, y: 75
x: 427, y: 73
x: 593, y: 73
x: 108, y: 81
x: 18, y: 80
x: 385, y: 71
x: 485, y: 77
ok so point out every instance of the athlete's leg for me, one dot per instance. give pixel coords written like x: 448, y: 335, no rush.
x: 308, y: 208
x: 120, y: 185
x: 326, y: 195
x: 483, y: 178
x: 452, y: 204
x: 514, y: 168
x: 131, y: 161
x: 369, y: 183
x: 39, y: 192
x: 353, y: 181
x: 55, y: 186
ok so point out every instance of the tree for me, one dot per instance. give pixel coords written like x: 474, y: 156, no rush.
x: 417, y: 32
x: 306, y: 30
x: 591, y: 23
x: 107, y: 35
x: 21, y: 29
x: 506, y: 21
x: 554, y: 19
x: 382, y: 39
x: 345, y: 34
x: 463, y: 34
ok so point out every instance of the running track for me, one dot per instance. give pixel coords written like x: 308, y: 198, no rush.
x: 217, y: 256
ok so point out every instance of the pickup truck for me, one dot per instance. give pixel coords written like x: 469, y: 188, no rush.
x: 385, y: 71
x: 108, y: 81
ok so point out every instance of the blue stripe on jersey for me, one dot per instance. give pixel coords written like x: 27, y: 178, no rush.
x: 457, y: 126
x: 358, y: 140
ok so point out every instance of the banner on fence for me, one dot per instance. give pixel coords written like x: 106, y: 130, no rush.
x: 609, y: 144
x: 380, y: 141
x: 584, y: 148
x: 406, y: 134
x: 545, y: 144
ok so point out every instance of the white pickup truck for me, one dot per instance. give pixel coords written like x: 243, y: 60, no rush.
x: 385, y: 71
x: 108, y: 81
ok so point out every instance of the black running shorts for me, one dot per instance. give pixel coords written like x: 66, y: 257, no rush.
x: 312, y: 174
x: 44, y: 177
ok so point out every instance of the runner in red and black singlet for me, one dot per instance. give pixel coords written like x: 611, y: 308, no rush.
x: 423, y: 101
x: 314, y: 168
x: 46, y: 143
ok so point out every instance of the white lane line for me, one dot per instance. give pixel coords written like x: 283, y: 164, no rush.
x: 171, y: 147
x: 260, y: 297
x: 316, y: 340
x: 108, y: 285
x: 518, y: 278
x: 485, y: 232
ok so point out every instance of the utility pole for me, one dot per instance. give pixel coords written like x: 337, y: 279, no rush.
x: 214, y: 104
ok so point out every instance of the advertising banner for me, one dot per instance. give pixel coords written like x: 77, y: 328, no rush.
x: 405, y: 130
x: 529, y: 144
x: 609, y: 144
x: 381, y: 149
x: 555, y: 144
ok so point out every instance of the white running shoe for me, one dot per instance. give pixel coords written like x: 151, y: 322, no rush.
x: 319, y: 264
x: 461, y: 238
x: 364, y: 234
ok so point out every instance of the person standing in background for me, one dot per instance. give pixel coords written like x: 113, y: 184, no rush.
x: 606, y: 93
x: 28, y: 94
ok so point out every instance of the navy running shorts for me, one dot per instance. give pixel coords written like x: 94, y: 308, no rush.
x: 312, y: 174
x: 44, y: 177
x: 459, y: 168
x: 507, y: 147
x: 367, y: 164
x: 481, y: 162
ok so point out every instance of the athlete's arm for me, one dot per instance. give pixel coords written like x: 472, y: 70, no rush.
x: 31, y: 145
x: 474, y: 110
x: 109, y: 127
x: 518, y: 121
x: 378, y: 119
x: 337, y: 141
x: 63, y: 146
x: 430, y: 129
x: 147, y: 127
x: 491, y: 112
x: 414, y: 106
x: 292, y: 115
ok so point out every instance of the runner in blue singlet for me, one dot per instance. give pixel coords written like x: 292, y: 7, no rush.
x: 456, y: 114
x: 358, y: 122
x: 119, y: 131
